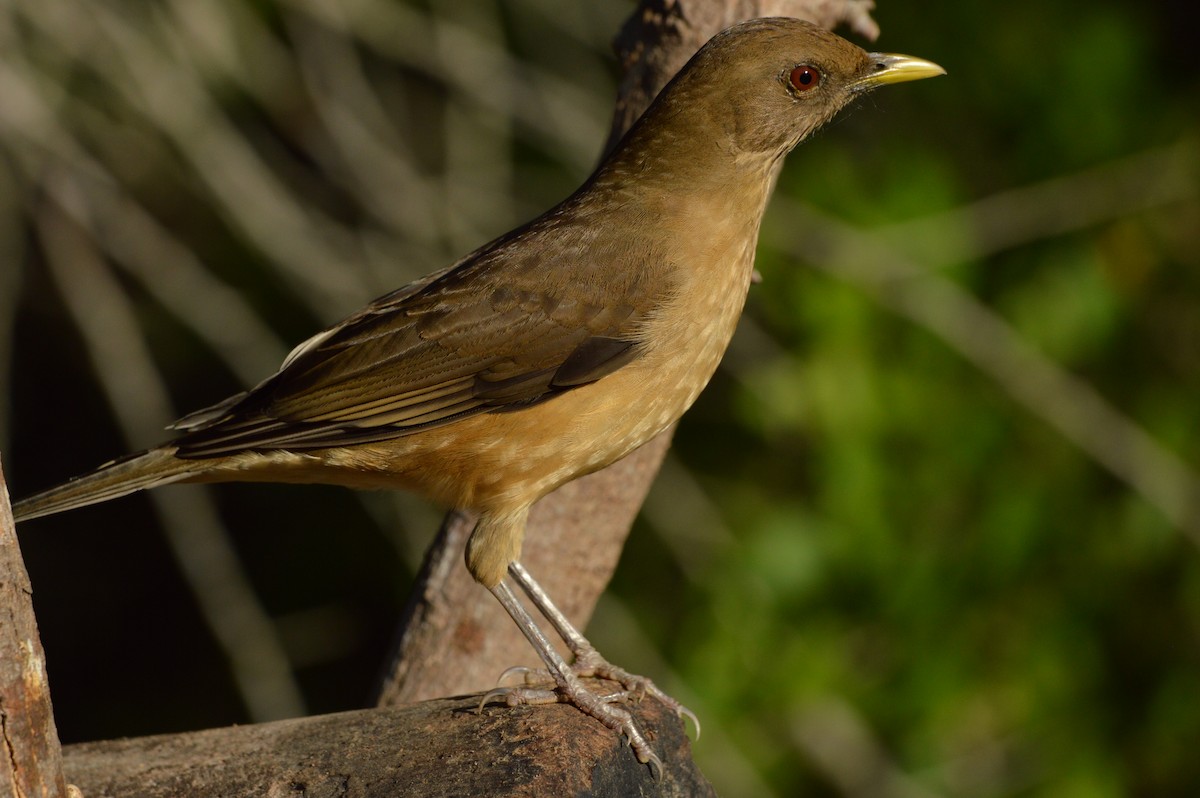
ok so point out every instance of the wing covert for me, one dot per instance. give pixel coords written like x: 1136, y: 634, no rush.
x: 463, y: 343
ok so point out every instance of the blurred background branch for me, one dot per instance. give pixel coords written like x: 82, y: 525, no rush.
x: 874, y: 263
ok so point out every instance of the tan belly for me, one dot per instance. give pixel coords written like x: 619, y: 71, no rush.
x: 504, y: 460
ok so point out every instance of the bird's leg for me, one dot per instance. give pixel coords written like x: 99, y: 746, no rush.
x: 568, y: 687
x: 588, y: 661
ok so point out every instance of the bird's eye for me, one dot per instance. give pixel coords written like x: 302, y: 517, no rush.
x: 804, y: 78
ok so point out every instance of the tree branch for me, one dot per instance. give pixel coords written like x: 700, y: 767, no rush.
x: 437, y: 748
x: 30, y: 756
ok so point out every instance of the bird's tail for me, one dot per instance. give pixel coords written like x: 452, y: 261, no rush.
x: 147, y: 469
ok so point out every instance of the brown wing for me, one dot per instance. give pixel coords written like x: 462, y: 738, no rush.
x: 491, y: 334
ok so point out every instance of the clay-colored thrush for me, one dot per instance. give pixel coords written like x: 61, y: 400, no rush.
x: 552, y: 351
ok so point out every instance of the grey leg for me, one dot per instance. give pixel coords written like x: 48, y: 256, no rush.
x: 568, y: 687
x: 588, y: 661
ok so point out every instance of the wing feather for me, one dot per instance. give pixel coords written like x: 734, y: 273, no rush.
x: 490, y: 334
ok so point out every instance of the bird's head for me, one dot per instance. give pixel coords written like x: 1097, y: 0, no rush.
x: 758, y: 88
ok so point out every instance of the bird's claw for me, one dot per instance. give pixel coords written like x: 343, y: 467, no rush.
x: 602, y: 708
x: 590, y: 663
x: 684, y: 712
x: 529, y: 676
x: 656, y: 765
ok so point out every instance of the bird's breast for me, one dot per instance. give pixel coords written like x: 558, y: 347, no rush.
x: 685, y: 341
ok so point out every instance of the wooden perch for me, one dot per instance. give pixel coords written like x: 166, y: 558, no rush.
x: 30, y: 759
x: 436, y: 748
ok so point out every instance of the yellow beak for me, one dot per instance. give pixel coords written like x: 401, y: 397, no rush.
x: 891, y: 68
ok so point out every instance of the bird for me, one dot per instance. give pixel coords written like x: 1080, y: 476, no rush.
x: 549, y: 352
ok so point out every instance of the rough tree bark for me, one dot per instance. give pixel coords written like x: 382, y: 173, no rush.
x: 30, y: 757
x: 454, y: 637
x: 436, y: 749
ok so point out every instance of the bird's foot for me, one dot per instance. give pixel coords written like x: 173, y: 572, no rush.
x: 589, y: 663
x: 568, y: 689
x: 562, y: 682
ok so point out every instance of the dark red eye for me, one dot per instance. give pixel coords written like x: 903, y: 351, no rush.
x: 804, y: 78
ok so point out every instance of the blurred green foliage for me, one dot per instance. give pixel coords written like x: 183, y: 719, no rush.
x: 870, y: 566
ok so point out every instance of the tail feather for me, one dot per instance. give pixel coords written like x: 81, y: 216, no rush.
x: 136, y: 472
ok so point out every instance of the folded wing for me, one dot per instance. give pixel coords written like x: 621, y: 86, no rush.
x: 482, y: 337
